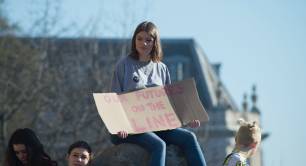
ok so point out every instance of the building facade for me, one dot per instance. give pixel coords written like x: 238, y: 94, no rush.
x: 186, y: 59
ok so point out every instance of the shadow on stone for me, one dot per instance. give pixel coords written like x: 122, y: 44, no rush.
x: 134, y: 155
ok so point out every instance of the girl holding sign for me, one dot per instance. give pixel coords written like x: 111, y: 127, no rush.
x: 143, y: 68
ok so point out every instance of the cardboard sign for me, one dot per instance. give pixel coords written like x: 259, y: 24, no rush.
x: 151, y: 109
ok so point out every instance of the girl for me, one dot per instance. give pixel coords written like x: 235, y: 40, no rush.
x: 143, y: 68
x: 25, y: 149
x: 247, y: 140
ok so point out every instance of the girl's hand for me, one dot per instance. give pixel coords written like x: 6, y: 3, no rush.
x: 122, y: 134
x: 194, y: 124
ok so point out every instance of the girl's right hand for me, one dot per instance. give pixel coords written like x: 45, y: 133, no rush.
x: 122, y: 134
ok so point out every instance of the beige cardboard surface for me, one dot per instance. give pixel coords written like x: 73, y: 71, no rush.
x: 186, y: 102
x: 112, y: 113
x: 151, y: 109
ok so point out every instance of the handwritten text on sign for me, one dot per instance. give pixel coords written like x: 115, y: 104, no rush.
x: 151, y: 109
x: 148, y: 110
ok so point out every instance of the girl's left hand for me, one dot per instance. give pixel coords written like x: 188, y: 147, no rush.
x: 194, y: 124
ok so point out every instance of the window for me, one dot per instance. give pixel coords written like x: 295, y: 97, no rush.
x: 178, y: 66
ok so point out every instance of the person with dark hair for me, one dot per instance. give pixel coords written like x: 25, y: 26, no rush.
x: 79, y: 154
x: 25, y: 149
x: 143, y: 68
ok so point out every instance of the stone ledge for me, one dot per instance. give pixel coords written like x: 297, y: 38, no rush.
x: 134, y: 155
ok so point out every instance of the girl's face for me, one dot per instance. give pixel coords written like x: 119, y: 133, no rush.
x: 78, y: 157
x: 144, y: 44
x: 21, y: 153
x: 254, y: 148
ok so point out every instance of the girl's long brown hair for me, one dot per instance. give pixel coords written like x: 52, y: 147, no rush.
x: 150, y: 28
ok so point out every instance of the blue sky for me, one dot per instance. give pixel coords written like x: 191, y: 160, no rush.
x: 258, y: 42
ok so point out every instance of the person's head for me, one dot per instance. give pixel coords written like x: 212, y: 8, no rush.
x: 146, y: 41
x: 248, y: 136
x: 79, y: 154
x: 24, y: 148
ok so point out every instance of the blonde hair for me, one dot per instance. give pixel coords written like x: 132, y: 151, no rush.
x: 249, y: 134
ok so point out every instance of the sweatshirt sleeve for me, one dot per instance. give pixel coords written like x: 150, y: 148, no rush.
x: 168, y: 78
x: 118, y: 77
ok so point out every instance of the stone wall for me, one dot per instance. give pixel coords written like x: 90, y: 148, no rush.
x: 133, y: 155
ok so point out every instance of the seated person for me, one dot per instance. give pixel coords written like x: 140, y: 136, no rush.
x: 79, y: 154
x: 25, y: 149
